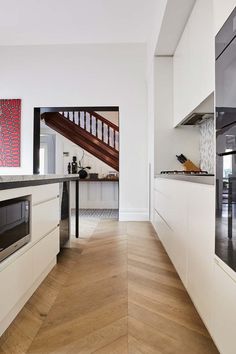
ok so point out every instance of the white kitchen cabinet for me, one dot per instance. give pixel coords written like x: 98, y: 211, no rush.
x: 184, y: 218
x: 44, y: 252
x: 171, y: 222
x: 194, y: 62
x: 184, y: 222
x: 182, y: 79
x: 200, y: 244
x: 165, y: 233
x: 15, y: 280
x: 22, y: 272
x: 221, y: 10
x: 45, y: 192
x: 224, y: 310
x: 45, y: 218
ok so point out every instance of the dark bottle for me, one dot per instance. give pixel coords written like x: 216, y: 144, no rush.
x: 74, y: 165
x: 69, y: 168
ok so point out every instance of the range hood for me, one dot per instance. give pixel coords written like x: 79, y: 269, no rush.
x: 200, y: 113
x: 197, y: 118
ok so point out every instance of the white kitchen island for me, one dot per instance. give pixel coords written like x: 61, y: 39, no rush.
x: 23, y: 271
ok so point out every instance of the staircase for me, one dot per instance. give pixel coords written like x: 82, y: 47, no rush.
x: 90, y: 131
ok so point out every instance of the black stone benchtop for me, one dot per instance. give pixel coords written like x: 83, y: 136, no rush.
x: 19, y: 181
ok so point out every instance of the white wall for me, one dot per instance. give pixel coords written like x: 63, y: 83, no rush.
x: 170, y: 141
x: 97, y: 166
x: 85, y: 75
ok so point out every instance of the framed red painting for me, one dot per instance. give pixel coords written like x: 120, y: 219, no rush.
x: 10, y: 130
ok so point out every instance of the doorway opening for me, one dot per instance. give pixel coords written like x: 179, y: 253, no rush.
x: 84, y: 141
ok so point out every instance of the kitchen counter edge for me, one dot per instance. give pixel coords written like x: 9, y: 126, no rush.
x: 19, y: 181
x: 209, y: 180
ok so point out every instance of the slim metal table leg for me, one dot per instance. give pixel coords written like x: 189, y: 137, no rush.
x: 230, y: 210
x: 77, y: 209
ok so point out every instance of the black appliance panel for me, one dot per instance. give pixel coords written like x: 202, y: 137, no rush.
x: 226, y: 35
x: 225, y: 234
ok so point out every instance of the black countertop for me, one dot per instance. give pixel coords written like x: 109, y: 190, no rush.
x: 19, y: 181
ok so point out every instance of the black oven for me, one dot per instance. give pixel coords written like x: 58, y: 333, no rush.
x: 225, y: 95
x: 14, y: 225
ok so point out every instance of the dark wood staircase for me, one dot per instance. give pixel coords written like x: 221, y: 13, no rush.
x: 89, y: 130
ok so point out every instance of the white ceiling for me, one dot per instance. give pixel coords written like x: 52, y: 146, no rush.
x: 26, y: 22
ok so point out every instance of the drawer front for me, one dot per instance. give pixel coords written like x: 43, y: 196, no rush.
x: 164, y: 232
x: 44, y: 252
x: 15, y: 280
x: 45, y: 192
x: 45, y: 217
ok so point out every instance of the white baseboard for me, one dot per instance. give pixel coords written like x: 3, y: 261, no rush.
x: 133, y: 215
x: 5, y: 323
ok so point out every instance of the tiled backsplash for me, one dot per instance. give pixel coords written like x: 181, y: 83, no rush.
x: 207, y: 153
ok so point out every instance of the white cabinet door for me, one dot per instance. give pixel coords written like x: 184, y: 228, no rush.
x: 178, y: 221
x: 201, y: 236
x: 221, y: 10
x: 202, y: 56
x: 164, y: 232
x: 44, y: 252
x: 15, y: 280
x: 194, y: 62
x: 171, y: 221
x: 45, y: 217
x: 224, y: 311
x: 182, y: 79
x: 45, y: 192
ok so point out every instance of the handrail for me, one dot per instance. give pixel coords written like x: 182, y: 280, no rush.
x: 104, y: 120
x: 106, y: 131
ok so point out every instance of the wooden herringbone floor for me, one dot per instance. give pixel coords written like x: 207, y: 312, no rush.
x: 114, y: 293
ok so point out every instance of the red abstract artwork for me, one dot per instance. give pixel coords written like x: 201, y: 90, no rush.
x: 10, y: 122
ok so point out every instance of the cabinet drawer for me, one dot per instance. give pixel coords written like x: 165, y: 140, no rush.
x: 45, y: 217
x: 44, y: 193
x: 164, y: 232
x: 15, y: 280
x: 44, y: 252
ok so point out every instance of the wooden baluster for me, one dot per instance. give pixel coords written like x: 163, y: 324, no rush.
x: 117, y: 141
x: 68, y: 115
x: 85, y: 121
x: 113, y: 137
x: 79, y: 119
x: 108, y: 135
x: 91, y: 123
x: 102, y: 131
x: 63, y: 113
x: 96, y: 127
x: 73, y: 116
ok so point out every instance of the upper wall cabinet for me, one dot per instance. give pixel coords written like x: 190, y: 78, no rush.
x: 194, y: 62
x: 222, y: 10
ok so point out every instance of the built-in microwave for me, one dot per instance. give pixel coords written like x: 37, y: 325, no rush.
x: 225, y: 95
x: 14, y: 225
